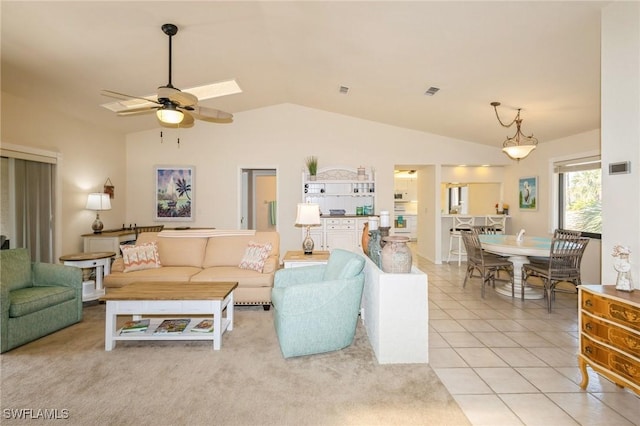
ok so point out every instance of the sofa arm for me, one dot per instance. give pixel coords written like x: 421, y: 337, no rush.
x: 302, y: 275
x: 49, y: 274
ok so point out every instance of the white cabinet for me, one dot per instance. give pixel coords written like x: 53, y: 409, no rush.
x: 340, y: 189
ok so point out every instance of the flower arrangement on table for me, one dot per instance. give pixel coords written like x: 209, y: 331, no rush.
x: 505, y: 208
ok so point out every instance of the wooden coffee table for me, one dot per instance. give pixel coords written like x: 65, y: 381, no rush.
x: 177, y: 299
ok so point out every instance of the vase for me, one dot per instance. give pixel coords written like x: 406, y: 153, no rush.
x: 396, y: 255
x: 623, y: 266
x: 365, y: 238
x: 312, y: 177
x: 374, y: 247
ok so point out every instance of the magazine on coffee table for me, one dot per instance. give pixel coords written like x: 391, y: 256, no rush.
x: 172, y: 326
x: 204, y: 326
x: 135, y: 326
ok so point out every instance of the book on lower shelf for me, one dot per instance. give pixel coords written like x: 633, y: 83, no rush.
x: 135, y: 326
x: 172, y: 326
x: 204, y: 326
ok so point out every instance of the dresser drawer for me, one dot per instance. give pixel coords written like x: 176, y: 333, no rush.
x: 611, y: 309
x: 615, y: 336
x: 610, y: 359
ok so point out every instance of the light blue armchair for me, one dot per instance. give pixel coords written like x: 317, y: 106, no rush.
x: 316, y: 307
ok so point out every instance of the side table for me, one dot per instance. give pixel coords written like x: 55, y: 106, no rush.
x: 295, y: 259
x: 100, y: 261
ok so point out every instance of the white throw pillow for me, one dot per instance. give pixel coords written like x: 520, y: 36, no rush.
x: 144, y: 256
x: 255, y: 255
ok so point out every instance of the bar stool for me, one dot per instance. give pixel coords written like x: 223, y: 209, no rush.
x: 499, y: 222
x: 459, y: 223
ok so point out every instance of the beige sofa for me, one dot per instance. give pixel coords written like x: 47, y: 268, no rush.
x: 206, y: 256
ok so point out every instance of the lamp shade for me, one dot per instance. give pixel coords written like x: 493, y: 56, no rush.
x: 308, y: 214
x: 518, y: 152
x: 170, y: 115
x: 98, y: 201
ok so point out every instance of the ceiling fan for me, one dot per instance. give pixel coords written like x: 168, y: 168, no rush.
x: 173, y: 107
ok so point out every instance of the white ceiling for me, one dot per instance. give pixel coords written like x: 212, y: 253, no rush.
x: 541, y: 56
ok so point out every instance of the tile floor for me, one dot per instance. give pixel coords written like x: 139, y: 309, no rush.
x: 508, y: 362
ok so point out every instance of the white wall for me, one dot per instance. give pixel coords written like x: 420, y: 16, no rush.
x: 621, y: 133
x: 89, y: 156
x: 281, y: 137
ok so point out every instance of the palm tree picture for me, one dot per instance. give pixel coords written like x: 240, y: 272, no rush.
x: 174, y: 188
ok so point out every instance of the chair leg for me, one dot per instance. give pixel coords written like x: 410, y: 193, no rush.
x: 450, y: 248
x: 467, y: 275
x: 459, y: 250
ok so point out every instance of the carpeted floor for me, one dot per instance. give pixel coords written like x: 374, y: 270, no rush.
x: 187, y: 383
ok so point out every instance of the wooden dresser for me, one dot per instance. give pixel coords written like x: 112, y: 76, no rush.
x: 609, y: 322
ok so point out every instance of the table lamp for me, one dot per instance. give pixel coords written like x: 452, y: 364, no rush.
x: 98, y: 201
x: 308, y: 215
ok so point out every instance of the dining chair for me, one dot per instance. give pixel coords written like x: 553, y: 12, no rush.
x: 486, y: 229
x: 455, y: 240
x: 487, y: 264
x: 499, y: 222
x: 563, y: 265
x: 557, y: 234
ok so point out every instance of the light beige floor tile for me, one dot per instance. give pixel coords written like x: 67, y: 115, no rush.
x: 462, y: 314
x: 481, y: 357
x: 486, y: 410
x: 625, y: 403
x: 563, y: 340
x: 519, y: 357
x: 436, y: 340
x: 445, y: 358
x: 443, y: 326
x: 528, y: 339
x: 537, y: 410
x: 505, y: 380
x: 438, y: 314
x: 548, y: 380
x: 555, y: 357
x: 588, y: 410
x: 505, y: 324
x: 495, y: 340
x: 596, y: 384
x: 448, y: 305
x: 474, y: 324
x: 462, y: 381
x: 462, y: 340
x: 489, y: 314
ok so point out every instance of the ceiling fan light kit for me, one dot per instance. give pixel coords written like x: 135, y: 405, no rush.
x: 173, y: 108
x: 519, y: 145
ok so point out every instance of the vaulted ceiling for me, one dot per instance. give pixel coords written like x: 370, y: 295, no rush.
x: 543, y: 57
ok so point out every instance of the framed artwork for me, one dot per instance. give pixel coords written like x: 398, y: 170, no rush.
x: 174, y: 193
x: 528, y: 189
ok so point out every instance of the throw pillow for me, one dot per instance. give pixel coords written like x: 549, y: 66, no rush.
x: 255, y: 255
x: 144, y: 256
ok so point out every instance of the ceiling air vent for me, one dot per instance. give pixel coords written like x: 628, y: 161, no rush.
x: 344, y: 90
x: 431, y: 91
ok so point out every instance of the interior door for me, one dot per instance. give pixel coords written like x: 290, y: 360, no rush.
x: 259, y: 209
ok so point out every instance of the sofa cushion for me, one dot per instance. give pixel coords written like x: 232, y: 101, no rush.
x: 165, y: 273
x: 140, y: 257
x: 229, y: 250
x: 244, y: 277
x: 25, y: 301
x: 184, y: 251
x: 255, y: 255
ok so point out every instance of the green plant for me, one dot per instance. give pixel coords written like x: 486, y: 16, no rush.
x: 312, y: 165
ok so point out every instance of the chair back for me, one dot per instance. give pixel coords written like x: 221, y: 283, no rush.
x: 565, y: 256
x: 462, y: 222
x: 15, y: 268
x: 153, y: 228
x: 472, y: 245
x: 487, y: 229
x: 498, y: 222
x: 565, y: 233
x: 343, y: 264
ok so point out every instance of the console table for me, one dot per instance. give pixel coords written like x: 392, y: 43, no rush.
x: 108, y: 240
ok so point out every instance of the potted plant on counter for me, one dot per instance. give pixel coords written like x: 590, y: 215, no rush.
x: 312, y: 166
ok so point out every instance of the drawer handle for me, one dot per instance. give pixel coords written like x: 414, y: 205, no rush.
x: 588, y: 349
x: 588, y: 326
x: 588, y: 303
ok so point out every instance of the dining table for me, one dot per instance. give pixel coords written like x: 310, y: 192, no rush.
x: 518, y: 252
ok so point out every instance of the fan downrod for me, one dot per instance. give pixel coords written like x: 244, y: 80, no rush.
x: 170, y: 29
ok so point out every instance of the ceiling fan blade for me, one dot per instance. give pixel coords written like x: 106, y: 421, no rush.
x: 123, y: 96
x: 210, y: 114
x: 186, y: 122
x: 137, y: 111
x: 177, y: 96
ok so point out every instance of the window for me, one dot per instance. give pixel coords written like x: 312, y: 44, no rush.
x: 580, y: 195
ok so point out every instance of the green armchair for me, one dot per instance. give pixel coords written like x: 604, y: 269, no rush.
x: 36, y: 299
x: 316, y: 307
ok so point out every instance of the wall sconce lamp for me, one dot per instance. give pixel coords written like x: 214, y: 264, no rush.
x: 98, y: 201
x: 308, y: 215
x: 519, y: 145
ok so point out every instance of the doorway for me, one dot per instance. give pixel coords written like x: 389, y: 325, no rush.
x: 259, y: 207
